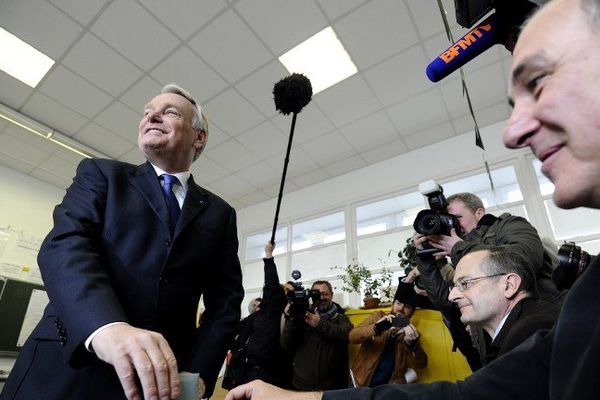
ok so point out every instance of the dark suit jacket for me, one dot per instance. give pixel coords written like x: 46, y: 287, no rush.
x: 562, y: 364
x: 110, y: 257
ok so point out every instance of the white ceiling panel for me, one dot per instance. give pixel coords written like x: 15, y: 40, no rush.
x: 73, y: 91
x: 400, y: 77
x: 282, y: 24
x: 185, y: 68
x: 186, y: 16
x: 98, y: 63
x: 113, y: 56
x: 121, y: 120
x: 375, y: 31
x: 139, y: 36
x: 232, y: 155
x: 103, y: 140
x: 40, y: 24
x: 225, y: 42
x: 369, y: 132
x: 54, y: 115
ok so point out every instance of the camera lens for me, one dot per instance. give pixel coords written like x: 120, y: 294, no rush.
x: 428, y: 222
x: 572, y: 261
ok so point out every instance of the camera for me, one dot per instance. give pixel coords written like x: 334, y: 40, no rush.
x: 301, y: 300
x: 436, y: 220
x: 572, y: 261
x: 396, y: 322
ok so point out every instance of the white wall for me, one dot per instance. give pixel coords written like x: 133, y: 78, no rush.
x: 26, y: 204
x: 406, y: 171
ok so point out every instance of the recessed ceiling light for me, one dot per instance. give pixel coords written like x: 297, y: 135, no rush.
x: 322, y: 58
x: 22, y: 61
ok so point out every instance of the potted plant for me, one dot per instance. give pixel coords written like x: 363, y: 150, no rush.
x: 358, y: 278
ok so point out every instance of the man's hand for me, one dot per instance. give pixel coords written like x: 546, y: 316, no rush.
x: 412, y: 275
x: 259, y: 390
x: 444, y: 243
x: 410, y: 334
x: 134, y: 351
x: 418, y: 240
x: 269, y: 247
x: 312, y: 319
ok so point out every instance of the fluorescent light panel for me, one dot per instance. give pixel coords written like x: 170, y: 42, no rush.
x: 22, y: 61
x: 322, y: 58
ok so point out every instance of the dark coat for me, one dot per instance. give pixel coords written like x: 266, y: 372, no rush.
x: 560, y: 364
x: 110, y: 257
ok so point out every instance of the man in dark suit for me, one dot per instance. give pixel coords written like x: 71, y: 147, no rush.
x: 131, y: 252
x: 554, y: 84
x: 495, y: 290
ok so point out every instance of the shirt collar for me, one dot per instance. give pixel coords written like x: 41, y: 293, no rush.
x: 182, y: 176
x: 500, y: 325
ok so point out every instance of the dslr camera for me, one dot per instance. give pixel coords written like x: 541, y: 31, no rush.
x: 301, y: 300
x: 572, y: 261
x: 436, y: 220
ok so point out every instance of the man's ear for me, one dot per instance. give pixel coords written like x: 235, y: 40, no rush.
x: 512, y: 285
x: 200, y: 139
x: 480, y: 212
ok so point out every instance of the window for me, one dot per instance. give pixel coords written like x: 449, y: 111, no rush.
x: 322, y: 230
x: 255, y: 244
x: 388, y: 214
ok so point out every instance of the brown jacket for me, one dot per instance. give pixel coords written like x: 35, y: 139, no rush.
x: 371, y: 348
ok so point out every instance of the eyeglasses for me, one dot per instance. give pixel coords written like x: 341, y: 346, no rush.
x: 463, y: 285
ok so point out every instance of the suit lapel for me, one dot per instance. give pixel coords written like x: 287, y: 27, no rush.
x: 144, y: 179
x: 196, y: 200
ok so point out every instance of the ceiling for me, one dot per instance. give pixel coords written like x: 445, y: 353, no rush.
x: 112, y: 56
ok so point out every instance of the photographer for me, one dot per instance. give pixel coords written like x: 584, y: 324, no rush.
x: 319, y: 344
x: 389, y: 344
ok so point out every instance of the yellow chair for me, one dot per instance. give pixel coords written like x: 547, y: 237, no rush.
x: 444, y: 364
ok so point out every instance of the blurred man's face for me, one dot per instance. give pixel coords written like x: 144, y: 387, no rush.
x: 554, y: 85
x: 326, y: 297
x: 466, y: 218
x: 402, y: 309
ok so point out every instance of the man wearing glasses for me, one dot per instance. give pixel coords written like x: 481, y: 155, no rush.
x: 495, y: 290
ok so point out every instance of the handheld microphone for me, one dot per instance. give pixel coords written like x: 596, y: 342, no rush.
x: 478, y: 40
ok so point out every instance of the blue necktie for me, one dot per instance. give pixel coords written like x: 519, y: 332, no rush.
x: 172, y: 203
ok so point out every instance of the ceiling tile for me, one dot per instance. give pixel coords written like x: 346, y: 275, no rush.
x: 225, y: 42
x: 81, y: 11
x: 328, y: 148
x: 206, y: 170
x: 184, y: 68
x: 358, y: 100
x: 74, y: 92
x: 68, y: 156
x: 258, y: 87
x: 385, y: 152
x: 134, y: 156
x: 216, y: 136
x: 343, y: 166
x: 419, y: 112
x: 58, y: 166
x: 55, y: 115
x: 377, y: 30
x: 141, y: 93
x: 22, y: 150
x: 121, y: 120
x: 30, y: 138
x: 232, y: 155
x: 310, y: 123
x: 232, y: 112
x: 428, y: 18
x: 453, y: 97
x: 16, y: 164
x: 53, y: 179
x: 185, y: 16
x: 335, y: 8
x: 260, y: 174
x: 264, y: 139
x: 14, y: 92
x: 253, y: 198
x: 485, y: 116
x: 233, y: 186
x: 103, y: 140
x: 299, y: 162
x: 140, y: 37
x: 369, y: 132
x: 486, y: 86
x: 311, y: 178
x: 430, y: 136
x: 98, y: 63
x: 273, y: 190
x: 400, y: 77
x: 282, y: 24
x: 32, y: 20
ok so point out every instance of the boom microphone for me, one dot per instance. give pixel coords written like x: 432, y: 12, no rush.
x: 478, y: 40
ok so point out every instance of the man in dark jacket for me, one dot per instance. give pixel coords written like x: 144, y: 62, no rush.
x: 495, y: 290
x: 319, y: 343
